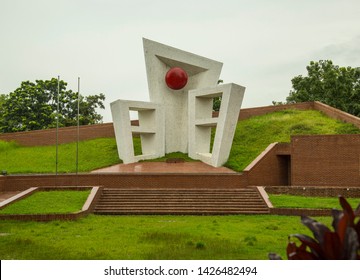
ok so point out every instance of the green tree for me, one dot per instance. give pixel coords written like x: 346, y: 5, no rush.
x: 2, y: 101
x: 336, y: 86
x: 217, y: 100
x: 33, y: 106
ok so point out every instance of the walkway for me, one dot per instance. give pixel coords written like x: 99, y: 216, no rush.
x: 164, y: 167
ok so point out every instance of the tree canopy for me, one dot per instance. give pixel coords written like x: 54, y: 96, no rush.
x: 217, y: 100
x: 331, y: 84
x: 33, y: 106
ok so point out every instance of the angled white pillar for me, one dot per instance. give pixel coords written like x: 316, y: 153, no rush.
x: 151, y: 129
x: 201, y: 71
x: 200, y: 122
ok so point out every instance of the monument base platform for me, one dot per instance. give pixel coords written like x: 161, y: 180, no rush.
x: 164, y: 167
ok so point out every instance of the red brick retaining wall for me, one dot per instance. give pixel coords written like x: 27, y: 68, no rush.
x: 315, y: 160
x: 69, y: 134
x: 336, y: 114
x: 322, y: 191
x: 325, y: 160
x: 300, y: 212
x: 259, y: 111
x: 268, y: 168
x: 66, y: 135
x: 2, y: 182
x: 127, y: 180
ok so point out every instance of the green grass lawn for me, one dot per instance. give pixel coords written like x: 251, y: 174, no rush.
x: 294, y: 201
x: 158, y: 237
x: 252, y: 136
x: 41, y: 159
x: 150, y: 237
x: 49, y: 202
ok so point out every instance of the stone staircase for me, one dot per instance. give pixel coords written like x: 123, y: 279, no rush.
x: 117, y: 201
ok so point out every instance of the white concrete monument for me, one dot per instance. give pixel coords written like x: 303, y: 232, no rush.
x: 178, y: 117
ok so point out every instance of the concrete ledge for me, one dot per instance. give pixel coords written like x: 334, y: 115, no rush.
x: 265, y: 197
x: 17, y: 197
x: 93, y: 197
x: 260, y: 157
x: 336, y: 113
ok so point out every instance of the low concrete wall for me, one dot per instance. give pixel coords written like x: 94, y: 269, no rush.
x: 19, y: 196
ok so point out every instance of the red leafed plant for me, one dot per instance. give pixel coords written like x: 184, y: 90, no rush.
x: 341, y: 244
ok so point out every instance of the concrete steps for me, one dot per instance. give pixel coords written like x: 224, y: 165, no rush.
x: 116, y: 201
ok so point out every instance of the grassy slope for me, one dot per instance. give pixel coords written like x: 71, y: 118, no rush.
x: 150, y: 237
x: 92, y: 154
x: 251, y: 138
x: 50, y: 202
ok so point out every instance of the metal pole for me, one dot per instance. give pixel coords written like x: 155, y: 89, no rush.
x: 57, y: 127
x: 78, y: 128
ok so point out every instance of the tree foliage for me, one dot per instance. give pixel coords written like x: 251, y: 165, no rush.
x: 336, y: 86
x: 33, y: 106
x: 217, y: 100
x: 2, y: 101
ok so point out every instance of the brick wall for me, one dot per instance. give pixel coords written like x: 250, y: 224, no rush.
x: 2, y: 182
x: 69, y: 134
x: 300, y: 212
x: 259, y: 111
x: 127, y: 180
x: 328, y: 191
x: 269, y: 168
x: 66, y: 135
x: 325, y: 160
x: 314, y: 160
x: 336, y: 114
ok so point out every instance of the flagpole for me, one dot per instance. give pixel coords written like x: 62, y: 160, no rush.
x: 57, y: 127
x: 78, y: 128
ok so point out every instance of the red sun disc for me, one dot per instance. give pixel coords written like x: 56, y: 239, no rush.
x: 176, y: 78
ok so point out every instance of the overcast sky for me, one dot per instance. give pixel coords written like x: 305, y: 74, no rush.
x: 263, y: 44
